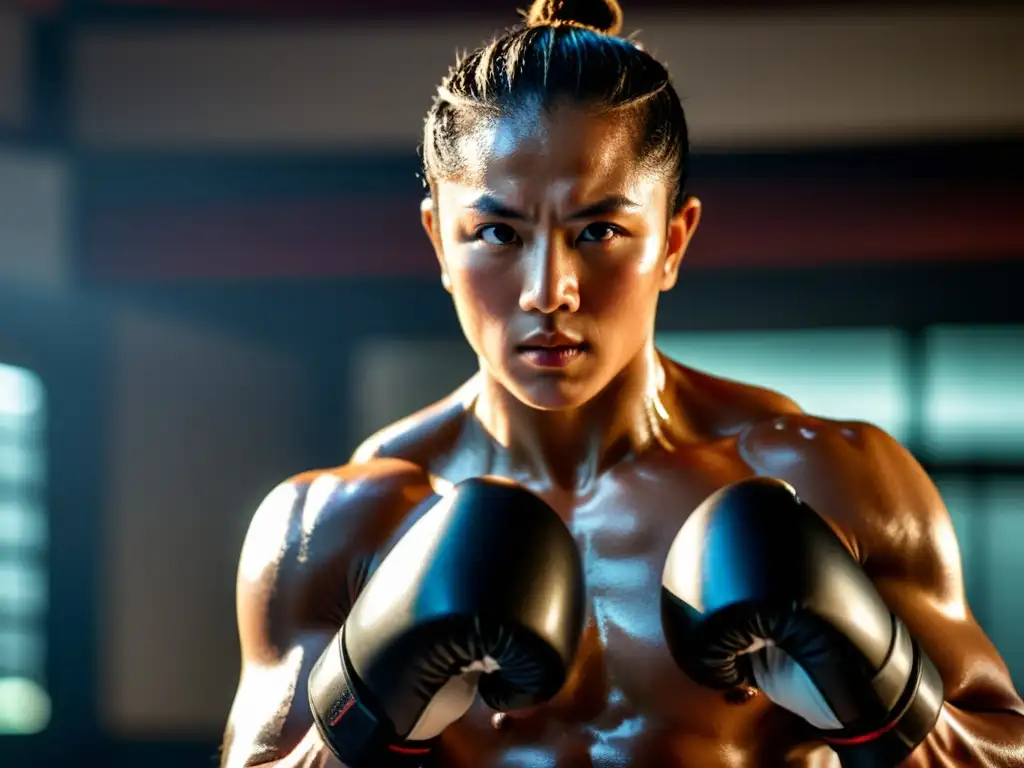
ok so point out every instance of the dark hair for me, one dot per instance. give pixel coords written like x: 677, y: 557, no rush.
x: 567, y: 52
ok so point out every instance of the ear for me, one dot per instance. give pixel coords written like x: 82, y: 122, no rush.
x: 680, y: 230
x: 428, y: 217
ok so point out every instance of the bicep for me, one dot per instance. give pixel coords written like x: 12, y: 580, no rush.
x: 974, y: 675
x: 302, y: 564
x: 279, y: 639
x: 922, y: 582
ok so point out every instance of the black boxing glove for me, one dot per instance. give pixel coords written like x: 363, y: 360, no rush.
x: 758, y: 590
x: 483, y: 594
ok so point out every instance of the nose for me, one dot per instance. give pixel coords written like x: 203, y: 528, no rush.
x: 551, y: 280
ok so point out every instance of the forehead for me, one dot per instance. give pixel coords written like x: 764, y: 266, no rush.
x: 534, y: 153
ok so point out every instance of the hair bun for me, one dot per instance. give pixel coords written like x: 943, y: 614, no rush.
x: 600, y: 15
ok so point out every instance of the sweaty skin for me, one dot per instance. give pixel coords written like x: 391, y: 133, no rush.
x: 626, y: 703
x: 555, y: 227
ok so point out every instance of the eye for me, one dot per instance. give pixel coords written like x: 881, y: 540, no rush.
x: 497, y: 234
x: 600, y: 232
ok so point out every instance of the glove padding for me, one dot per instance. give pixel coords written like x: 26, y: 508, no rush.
x: 758, y: 590
x: 484, y: 594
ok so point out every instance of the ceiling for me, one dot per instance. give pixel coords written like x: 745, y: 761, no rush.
x: 340, y: 9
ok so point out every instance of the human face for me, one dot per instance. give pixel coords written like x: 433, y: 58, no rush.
x: 553, y: 244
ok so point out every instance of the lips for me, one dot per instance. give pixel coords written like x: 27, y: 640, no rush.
x: 552, y: 340
x: 551, y: 350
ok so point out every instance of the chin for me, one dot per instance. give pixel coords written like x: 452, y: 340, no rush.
x: 552, y: 395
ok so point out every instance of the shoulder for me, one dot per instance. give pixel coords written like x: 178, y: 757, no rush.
x: 314, y: 534
x: 349, y: 507
x: 352, y: 499
x: 422, y: 437
x: 840, y: 452
x: 725, y: 406
x: 862, y: 480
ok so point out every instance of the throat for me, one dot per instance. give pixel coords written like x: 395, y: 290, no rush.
x: 545, y: 451
x: 568, y: 450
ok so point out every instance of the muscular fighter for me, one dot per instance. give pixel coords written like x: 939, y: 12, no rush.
x: 589, y: 555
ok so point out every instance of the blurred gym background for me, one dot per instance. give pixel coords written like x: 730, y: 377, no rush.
x: 212, y: 276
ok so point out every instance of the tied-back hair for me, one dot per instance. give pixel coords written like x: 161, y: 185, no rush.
x: 567, y: 52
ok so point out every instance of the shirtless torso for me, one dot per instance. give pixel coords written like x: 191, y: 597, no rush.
x: 626, y: 703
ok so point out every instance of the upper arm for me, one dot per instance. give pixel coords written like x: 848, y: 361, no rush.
x: 303, y: 561
x: 915, y: 563
x: 891, y: 516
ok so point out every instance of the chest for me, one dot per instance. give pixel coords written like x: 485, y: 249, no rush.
x: 623, y: 675
x: 625, y: 526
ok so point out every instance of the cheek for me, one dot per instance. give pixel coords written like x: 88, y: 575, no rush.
x: 477, y: 287
x: 626, y: 284
x: 649, y: 258
x: 485, y: 294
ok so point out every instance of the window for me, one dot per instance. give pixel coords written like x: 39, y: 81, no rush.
x: 974, y: 394
x: 854, y: 374
x: 24, y: 703
x: 988, y: 514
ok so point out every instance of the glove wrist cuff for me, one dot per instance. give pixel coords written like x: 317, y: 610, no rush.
x: 913, y: 718
x: 354, y: 734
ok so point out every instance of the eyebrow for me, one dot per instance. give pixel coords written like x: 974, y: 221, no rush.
x: 487, y: 205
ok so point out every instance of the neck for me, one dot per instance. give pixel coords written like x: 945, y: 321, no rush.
x: 569, y: 449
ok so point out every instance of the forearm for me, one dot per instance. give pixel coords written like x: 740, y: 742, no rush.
x: 309, y: 753
x: 962, y: 737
